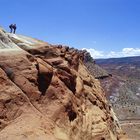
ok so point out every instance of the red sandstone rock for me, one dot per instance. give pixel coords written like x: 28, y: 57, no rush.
x: 45, y: 95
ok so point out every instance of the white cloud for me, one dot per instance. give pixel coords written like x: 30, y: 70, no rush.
x: 131, y: 51
x: 123, y: 53
x: 94, y: 53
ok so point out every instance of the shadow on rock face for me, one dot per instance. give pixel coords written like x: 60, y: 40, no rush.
x: 44, y: 78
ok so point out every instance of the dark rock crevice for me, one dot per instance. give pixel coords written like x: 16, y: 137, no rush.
x: 71, y: 113
x: 44, y: 79
x: 44, y: 82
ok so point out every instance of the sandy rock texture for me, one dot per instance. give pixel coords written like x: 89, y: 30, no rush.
x: 46, y: 92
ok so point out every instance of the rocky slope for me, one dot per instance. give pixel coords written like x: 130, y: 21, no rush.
x: 46, y: 92
x: 97, y: 71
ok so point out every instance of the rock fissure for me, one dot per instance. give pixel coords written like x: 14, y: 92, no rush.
x: 43, y: 78
x: 23, y: 93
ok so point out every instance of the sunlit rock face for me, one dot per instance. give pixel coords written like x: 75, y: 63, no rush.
x: 6, y: 42
x: 46, y: 92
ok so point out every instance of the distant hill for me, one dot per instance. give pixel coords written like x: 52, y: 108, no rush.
x: 124, y: 60
x: 123, y: 88
x: 123, y: 91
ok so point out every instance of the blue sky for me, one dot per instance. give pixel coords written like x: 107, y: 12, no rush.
x: 106, y: 28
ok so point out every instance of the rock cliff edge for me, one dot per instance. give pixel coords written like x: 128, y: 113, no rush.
x: 47, y: 93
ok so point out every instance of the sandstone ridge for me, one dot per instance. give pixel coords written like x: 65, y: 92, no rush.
x: 46, y: 92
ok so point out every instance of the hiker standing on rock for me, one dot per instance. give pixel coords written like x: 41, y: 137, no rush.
x: 13, y: 28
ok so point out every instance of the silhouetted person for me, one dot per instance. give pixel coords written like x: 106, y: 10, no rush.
x: 14, y: 27
x: 11, y: 28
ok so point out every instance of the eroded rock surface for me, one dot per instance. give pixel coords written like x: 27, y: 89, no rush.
x: 46, y: 92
